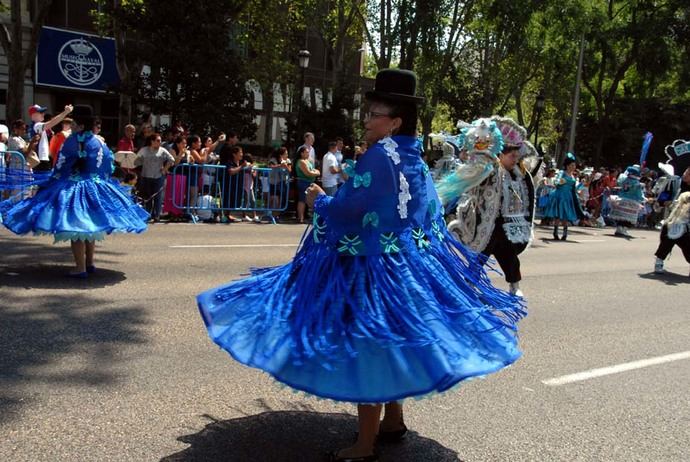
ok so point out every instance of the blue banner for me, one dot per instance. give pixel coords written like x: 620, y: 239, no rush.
x: 75, y: 60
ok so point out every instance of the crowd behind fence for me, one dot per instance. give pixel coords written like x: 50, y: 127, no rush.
x: 204, y: 191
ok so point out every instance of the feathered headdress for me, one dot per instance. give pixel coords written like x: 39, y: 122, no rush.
x: 482, y: 136
x: 514, y: 135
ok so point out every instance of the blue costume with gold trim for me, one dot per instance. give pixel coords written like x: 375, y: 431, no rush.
x: 380, y: 303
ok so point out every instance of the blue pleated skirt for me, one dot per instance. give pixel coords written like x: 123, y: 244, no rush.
x: 85, y: 209
x: 561, y: 205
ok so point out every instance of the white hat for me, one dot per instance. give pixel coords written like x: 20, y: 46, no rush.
x: 4, y: 129
x: 666, y: 168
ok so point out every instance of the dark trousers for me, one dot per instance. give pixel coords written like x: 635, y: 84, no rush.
x: 666, y: 244
x: 505, y: 252
x: 151, y: 193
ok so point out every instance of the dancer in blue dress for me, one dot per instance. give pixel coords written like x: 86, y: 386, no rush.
x: 380, y: 303
x: 564, y: 206
x: 80, y: 202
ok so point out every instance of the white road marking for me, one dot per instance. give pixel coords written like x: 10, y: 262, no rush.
x: 617, y: 369
x: 230, y: 246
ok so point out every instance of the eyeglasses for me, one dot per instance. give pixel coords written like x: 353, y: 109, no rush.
x: 374, y: 115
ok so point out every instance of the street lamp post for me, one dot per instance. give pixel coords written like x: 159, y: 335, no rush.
x: 540, y: 103
x: 303, y: 64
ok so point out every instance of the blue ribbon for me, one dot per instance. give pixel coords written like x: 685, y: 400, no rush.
x: 363, y: 180
x: 371, y: 218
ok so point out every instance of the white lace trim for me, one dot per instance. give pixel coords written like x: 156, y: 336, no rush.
x: 403, y: 197
x: 390, y: 146
x: 677, y: 230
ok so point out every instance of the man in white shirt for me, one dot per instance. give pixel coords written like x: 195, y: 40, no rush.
x: 309, y: 143
x: 339, y: 156
x: 331, y: 170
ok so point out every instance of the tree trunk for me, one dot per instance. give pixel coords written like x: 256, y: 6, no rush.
x: 603, y: 130
x: 18, y: 61
x: 267, y: 90
x: 125, y: 110
x: 15, y: 87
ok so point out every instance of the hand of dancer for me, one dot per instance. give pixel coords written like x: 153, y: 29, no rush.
x: 313, y: 191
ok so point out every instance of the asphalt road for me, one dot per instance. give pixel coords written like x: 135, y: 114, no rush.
x: 119, y: 367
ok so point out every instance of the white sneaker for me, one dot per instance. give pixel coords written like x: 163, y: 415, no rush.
x: 248, y: 219
x: 659, y: 266
x: 256, y: 220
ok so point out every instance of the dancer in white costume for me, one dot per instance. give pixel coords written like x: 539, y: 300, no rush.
x: 494, y: 192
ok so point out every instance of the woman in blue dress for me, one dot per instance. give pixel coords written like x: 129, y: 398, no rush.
x: 80, y: 202
x: 380, y: 303
x: 564, y: 206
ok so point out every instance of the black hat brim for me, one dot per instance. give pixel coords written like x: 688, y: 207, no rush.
x: 393, y: 97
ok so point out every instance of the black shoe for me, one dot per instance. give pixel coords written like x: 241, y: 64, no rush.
x: 564, y: 237
x: 333, y: 457
x: 394, y: 436
x: 555, y: 235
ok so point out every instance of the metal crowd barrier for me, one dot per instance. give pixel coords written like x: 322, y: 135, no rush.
x: 203, y: 191
x: 16, y: 177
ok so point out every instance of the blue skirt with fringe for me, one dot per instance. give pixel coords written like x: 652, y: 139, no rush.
x: 369, y: 329
x: 70, y: 209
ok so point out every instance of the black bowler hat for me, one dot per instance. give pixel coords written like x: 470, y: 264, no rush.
x: 395, y: 85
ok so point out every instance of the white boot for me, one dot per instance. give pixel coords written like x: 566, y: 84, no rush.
x: 515, y: 289
x: 659, y: 266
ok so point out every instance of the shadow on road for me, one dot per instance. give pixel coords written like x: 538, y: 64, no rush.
x: 59, y: 340
x: 550, y: 240
x: 55, y: 277
x: 670, y: 279
x: 37, y: 265
x: 627, y: 238
x: 298, y: 436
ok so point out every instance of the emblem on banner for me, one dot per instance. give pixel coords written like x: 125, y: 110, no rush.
x: 80, y: 62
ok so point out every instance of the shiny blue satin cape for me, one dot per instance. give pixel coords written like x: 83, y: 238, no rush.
x: 80, y: 201
x: 379, y: 304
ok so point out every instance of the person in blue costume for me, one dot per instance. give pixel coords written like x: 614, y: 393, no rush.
x: 628, y: 201
x: 564, y: 206
x: 380, y: 303
x: 80, y: 202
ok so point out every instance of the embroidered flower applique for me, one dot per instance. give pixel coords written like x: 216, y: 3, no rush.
x: 389, y: 242
x: 350, y: 244
x: 420, y: 238
x: 403, y: 197
x: 99, y: 157
x: 390, y: 147
x: 319, y: 226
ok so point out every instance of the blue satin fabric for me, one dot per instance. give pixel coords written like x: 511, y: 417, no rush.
x: 80, y: 201
x: 406, y: 311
